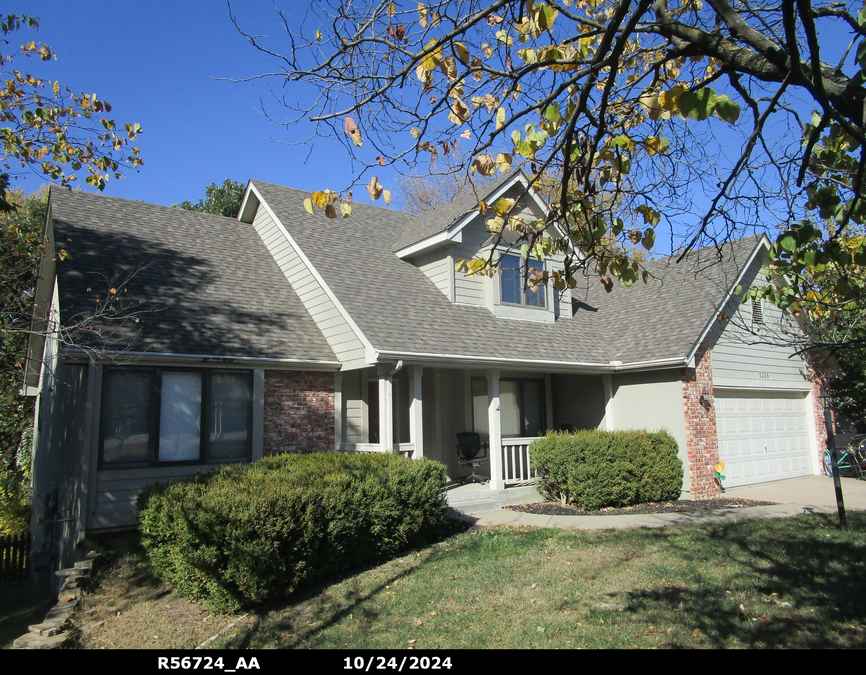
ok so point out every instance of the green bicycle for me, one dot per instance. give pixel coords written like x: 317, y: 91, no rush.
x: 852, y: 459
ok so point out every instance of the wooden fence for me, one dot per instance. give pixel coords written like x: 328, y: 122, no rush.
x: 14, y: 556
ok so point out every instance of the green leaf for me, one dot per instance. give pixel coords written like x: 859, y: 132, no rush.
x: 698, y: 105
x: 628, y: 277
x: 788, y: 242
x: 649, y: 239
x: 727, y: 110
x: 308, y: 205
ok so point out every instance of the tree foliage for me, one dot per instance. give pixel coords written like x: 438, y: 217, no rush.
x: 679, y: 114
x: 20, y: 248
x: 219, y: 200
x: 51, y: 130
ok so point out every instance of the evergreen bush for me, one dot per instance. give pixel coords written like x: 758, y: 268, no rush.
x: 596, y: 469
x: 243, y: 534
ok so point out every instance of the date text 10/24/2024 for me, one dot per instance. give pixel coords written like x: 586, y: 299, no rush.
x: 361, y: 663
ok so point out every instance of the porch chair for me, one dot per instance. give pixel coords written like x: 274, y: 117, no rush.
x: 473, y: 453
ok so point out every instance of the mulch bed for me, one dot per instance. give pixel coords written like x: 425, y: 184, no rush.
x: 678, y: 506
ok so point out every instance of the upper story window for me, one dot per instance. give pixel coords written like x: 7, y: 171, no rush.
x: 514, y: 272
x: 159, y: 416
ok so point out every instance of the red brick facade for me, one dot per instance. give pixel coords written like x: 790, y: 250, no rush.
x: 702, y: 441
x: 819, y: 384
x: 299, y: 412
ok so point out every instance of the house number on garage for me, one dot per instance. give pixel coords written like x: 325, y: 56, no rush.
x: 763, y: 376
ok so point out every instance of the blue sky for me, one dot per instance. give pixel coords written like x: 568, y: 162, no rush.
x: 157, y: 62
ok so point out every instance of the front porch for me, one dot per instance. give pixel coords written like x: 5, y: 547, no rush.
x: 419, y: 410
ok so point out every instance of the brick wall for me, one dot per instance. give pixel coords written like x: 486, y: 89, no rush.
x: 702, y: 441
x: 819, y: 383
x: 299, y: 412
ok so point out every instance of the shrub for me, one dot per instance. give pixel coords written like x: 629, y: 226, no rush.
x: 243, y: 534
x: 597, y: 469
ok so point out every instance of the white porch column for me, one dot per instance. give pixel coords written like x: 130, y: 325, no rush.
x: 494, y: 417
x: 338, y: 411
x: 386, y: 409
x: 416, y: 411
x: 609, y: 424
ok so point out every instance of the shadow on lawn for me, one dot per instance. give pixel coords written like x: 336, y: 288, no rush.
x: 806, y: 591
x: 293, y: 621
x: 297, y: 622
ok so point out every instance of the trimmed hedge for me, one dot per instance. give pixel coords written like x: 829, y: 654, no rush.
x: 597, y: 469
x: 243, y: 534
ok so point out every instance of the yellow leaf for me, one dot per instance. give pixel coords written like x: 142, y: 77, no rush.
x: 432, y: 59
x: 415, y: 131
x: 503, y: 162
x: 495, y: 224
x: 500, y: 118
x: 482, y: 207
x: 346, y: 209
x: 466, y: 134
x: 462, y: 53
x: 320, y: 199
x: 318, y: 35
x: 308, y: 205
x: 502, y: 206
x: 387, y: 195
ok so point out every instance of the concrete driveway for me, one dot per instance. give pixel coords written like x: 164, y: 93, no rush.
x: 813, y: 494
x: 815, y: 491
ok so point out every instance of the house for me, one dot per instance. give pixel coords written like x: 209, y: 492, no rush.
x: 166, y: 341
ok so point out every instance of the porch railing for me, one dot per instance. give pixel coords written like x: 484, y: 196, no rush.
x: 407, y: 449
x: 514, y: 459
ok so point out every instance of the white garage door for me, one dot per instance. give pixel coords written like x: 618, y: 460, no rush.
x: 762, y: 437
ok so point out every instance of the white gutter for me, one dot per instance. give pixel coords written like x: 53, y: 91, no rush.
x: 121, y: 356
x: 443, y: 237
x: 612, y: 367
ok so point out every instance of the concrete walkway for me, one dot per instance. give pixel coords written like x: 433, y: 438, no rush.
x: 813, y: 494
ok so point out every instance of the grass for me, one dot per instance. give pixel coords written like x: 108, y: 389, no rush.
x: 775, y: 583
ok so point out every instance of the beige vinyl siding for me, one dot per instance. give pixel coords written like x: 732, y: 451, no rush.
x: 469, y: 290
x: 340, y: 336
x: 438, y: 268
x: 652, y: 401
x: 353, y: 408
x: 117, y: 490
x: 755, y: 357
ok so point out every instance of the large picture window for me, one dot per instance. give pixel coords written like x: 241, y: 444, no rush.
x: 159, y: 416
x: 514, y: 271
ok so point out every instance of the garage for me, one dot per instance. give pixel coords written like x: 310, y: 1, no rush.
x: 763, y: 436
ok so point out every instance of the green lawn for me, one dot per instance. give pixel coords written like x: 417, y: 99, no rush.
x: 775, y: 583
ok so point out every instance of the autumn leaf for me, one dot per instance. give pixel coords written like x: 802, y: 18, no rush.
x: 353, y: 131
x: 484, y: 165
x: 374, y: 188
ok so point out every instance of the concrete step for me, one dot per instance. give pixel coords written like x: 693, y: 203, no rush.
x: 477, y: 506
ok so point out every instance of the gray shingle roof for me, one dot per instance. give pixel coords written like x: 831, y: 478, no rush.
x: 400, y: 310
x: 203, y: 284
x: 438, y: 220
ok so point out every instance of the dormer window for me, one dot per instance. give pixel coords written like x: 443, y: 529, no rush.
x: 514, y: 272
